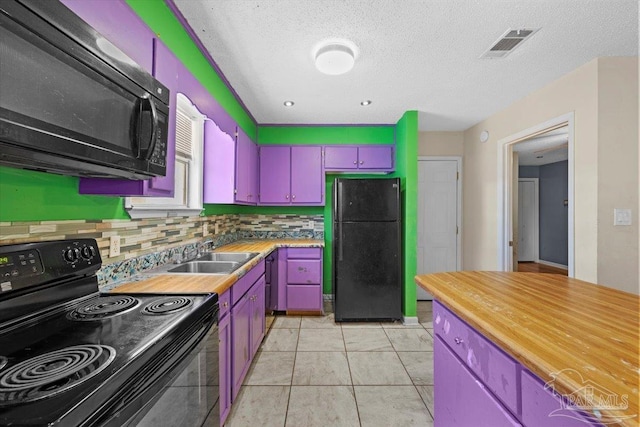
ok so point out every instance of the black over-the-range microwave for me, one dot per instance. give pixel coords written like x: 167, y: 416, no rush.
x: 71, y: 102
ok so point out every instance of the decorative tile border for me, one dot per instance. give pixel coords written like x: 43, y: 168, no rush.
x: 149, y: 243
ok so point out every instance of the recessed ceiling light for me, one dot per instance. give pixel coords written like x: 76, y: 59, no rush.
x: 288, y: 103
x: 335, y: 57
x: 365, y: 103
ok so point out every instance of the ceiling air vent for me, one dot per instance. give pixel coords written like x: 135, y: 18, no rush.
x: 508, y: 42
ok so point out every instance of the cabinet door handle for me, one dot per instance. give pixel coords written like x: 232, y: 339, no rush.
x: 361, y: 162
x: 225, y: 304
x: 355, y: 162
x: 458, y: 340
x: 286, y: 196
x: 293, y: 197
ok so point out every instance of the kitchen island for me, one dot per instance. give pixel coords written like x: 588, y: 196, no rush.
x: 533, y: 342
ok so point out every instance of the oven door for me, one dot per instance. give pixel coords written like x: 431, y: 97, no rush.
x: 190, y: 399
x: 60, y: 99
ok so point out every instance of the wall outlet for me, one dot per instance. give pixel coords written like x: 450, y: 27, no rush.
x: 216, y: 228
x: 114, y: 246
x: 205, y: 229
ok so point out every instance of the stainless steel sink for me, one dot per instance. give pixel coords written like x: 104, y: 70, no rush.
x: 207, y: 267
x: 241, y: 257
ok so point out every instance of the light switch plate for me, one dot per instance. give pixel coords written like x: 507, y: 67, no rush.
x: 622, y: 217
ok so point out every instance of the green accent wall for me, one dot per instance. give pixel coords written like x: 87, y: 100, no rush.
x: 407, y: 171
x: 157, y: 15
x: 40, y: 196
x: 323, y: 135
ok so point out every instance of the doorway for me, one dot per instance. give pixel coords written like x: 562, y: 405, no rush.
x: 551, y: 144
x: 439, y: 216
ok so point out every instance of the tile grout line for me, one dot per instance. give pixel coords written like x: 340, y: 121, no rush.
x: 353, y: 388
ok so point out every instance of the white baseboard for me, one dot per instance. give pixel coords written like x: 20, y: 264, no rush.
x: 553, y: 264
x: 410, y: 320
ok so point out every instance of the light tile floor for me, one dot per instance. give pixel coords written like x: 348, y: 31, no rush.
x: 311, y: 371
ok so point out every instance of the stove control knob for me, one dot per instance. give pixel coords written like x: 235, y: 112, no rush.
x: 87, y: 252
x: 71, y: 255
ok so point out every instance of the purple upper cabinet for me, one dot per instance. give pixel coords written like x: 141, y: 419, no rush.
x: 165, y: 69
x: 351, y: 158
x: 291, y: 175
x: 120, y: 25
x: 340, y: 157
x: 219, y: 165
x: 275, y: 175
x: 307, y: 176
x: 375, y: 157
x: 230, y: 166
x: 246, y: 167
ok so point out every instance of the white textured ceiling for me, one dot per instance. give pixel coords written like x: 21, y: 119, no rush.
x: 550, y: 147
x: 412, y: 54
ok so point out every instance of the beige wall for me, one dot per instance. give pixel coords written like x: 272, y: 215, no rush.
x: 618, y: 171
x: 578, y: 92
x: 440, y: 143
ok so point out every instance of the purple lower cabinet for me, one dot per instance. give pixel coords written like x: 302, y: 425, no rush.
x: 304, y: 298
x: 241, y: 342
x: 257, y: 314
x: 461, y: 400
x: 224, y: 336
x: 304, y: 271
x: 542, y: 407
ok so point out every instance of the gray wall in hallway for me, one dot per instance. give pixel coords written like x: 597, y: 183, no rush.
x: 554, y: 190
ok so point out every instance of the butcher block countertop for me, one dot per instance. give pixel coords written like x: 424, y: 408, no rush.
x: 181, y: 283
x: 550, y: 322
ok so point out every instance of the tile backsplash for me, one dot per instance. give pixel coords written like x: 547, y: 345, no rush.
x: 148, y: 243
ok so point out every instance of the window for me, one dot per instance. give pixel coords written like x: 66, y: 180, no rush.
x: 187, y: 198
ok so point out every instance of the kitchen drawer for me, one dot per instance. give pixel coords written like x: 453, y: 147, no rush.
x: 542, y: 407
x: 304, y: 271
x: 499, y: 372
x: 304, y: 297
x: 239, y: 288
x: 304, y: 253
x: 224, y: 302
x: 460, y: 399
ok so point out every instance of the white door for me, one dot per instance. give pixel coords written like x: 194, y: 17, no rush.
x: 437, y: 218
x: 528, y: 219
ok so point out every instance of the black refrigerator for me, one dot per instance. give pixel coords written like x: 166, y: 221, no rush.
x: 367, y: 251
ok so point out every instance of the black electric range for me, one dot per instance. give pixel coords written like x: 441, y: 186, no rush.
x: 70, y: 355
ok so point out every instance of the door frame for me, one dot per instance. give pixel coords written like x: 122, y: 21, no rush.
x: 505, y: 190
x: 458, y: 160
x: 536, y: 217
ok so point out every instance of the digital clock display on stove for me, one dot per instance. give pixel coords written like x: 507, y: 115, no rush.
x: 4, y: 260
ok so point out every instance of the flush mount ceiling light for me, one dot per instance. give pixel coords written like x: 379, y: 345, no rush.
x: 288, y: 103
x: 365, y: 103
x: 335, y: 57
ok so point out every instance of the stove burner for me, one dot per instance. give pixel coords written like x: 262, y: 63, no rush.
x: 52, y: 373
x: 167, y: 305
x: 104, y: 307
